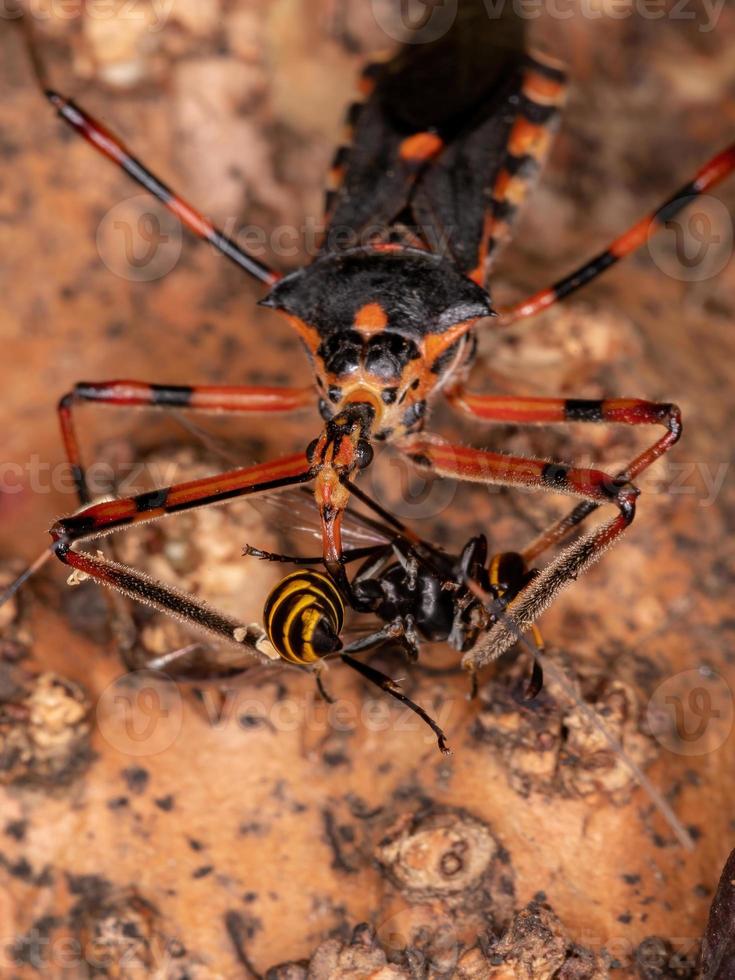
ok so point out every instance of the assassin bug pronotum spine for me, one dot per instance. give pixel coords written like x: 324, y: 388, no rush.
x: 440, y: 162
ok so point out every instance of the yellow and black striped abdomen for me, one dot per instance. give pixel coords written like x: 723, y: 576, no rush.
x: 507, y: 573
x: 303, y: 617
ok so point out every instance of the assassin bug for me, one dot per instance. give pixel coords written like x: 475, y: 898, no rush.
x: 444, y: 149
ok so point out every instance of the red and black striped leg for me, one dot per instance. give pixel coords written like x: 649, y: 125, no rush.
x: 619, y: 411
x: 169, y: 600
x: 559, y: 411
x: 669, y: 416
x: 104, y: 518
x: 214, y: 399
x: 111, y: 147
x: 596, y: 487
x: 710, y: 174
x: 480, y: 466
x: 114, y: 149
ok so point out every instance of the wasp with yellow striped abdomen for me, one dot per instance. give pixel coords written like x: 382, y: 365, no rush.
x: 442, y: 151
x: 418, y: 592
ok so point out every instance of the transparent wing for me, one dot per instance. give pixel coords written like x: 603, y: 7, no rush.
x: 289, y: 510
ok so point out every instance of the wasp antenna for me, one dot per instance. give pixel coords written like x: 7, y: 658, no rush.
x: 14, y: 586
x: 498, y: 607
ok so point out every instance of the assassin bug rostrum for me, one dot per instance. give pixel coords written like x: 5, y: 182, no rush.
x: 443, y: 151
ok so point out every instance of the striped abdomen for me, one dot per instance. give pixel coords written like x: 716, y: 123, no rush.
x: 303, y: 617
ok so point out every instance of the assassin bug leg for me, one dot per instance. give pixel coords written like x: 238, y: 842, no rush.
x: 522, y: 611
x: 557, y: 411
x: 485, y: 467
x: 480, y: 466
x: 213, y: 399
x: 388, y: 685
x: 111, y: 147
x: 631, y: 413
x: 104, y: 518
x: 543, y: 589
x: 714, y: 171
x: 136, y: 585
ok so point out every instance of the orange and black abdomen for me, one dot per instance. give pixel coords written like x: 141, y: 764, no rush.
x: 303, y: 617
x: 451, y: 130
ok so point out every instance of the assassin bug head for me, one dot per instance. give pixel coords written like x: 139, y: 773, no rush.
x: 385, y: 326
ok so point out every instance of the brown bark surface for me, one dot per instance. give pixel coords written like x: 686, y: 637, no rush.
x: 212, y: 832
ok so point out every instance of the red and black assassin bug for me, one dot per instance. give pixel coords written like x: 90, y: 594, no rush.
x: 445, y: 145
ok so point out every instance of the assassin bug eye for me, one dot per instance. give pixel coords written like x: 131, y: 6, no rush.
x: 363, y: 454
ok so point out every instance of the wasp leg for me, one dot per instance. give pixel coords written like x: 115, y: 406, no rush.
x: 324, y: 693
x: 391, y: 631
x: 474, y: 686
x: 388, y: 685
x: 536, y: 680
